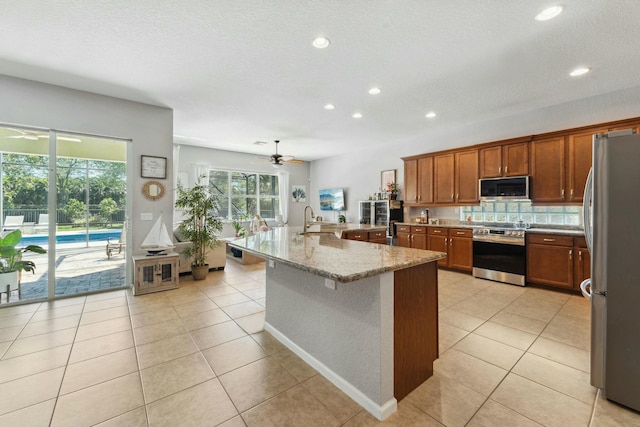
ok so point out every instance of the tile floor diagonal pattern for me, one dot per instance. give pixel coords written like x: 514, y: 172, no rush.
x: 198, y: 355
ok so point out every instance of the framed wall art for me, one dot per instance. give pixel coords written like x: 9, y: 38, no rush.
x: 153, y: 167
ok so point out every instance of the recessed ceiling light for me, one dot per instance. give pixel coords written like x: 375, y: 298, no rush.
x: 374, y: 90
x: 549, y: 13
x: 579, y: 71
x: 357, y: 115
x: 329, y: 107
x: 321, y: 42
x: 430, y: 115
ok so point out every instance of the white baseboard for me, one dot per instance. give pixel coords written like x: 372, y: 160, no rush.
x: 379, y: 411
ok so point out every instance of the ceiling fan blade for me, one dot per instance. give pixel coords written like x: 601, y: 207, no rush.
x: 294, y: 162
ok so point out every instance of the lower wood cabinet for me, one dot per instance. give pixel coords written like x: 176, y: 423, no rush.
x: 379, y: 237
x: 557, y: 260
x: 456, y: 242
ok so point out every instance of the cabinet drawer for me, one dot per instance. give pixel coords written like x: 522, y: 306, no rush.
x: 418, y: 230
x: 550, y: 239
x: 358, y: 235
x: 403, y: 229
x: 436, y: 231
x: 378, y: 235
x: 580, y: 242
x: 460, y: 232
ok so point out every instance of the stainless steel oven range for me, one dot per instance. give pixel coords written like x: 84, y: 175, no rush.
x: 499, y: 254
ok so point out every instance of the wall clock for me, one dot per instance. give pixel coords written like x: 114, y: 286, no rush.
x: 153, y: 167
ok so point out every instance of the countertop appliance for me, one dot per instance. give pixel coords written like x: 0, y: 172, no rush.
x: 512, y: 188
x: 499, y: 254
x: 382, y: 212
x: 611, y: 205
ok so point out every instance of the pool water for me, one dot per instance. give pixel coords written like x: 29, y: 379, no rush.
x: 72, y: 237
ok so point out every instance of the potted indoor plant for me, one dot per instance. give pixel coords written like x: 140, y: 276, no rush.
x: 392, y: 190
x: 11, y: 262
x: 200, y: 225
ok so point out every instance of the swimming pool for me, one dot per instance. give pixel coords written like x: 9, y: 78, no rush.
x: 72, y: 237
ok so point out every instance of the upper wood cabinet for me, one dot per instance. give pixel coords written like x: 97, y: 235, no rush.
x: 548, y: 170
x: 580, y: 159
x: 466, y: 176
x: 443, y: 177
x: 418, y: 180
x: 504, y: 160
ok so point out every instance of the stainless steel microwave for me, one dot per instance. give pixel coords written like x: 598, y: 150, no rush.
x: 512, y: 188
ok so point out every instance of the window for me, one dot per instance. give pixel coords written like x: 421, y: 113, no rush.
x: 245, y: 194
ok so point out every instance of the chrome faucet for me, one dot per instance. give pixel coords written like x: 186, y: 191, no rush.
x: 304, y: 219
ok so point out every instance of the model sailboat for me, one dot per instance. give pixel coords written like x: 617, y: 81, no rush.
x: 158, y: 239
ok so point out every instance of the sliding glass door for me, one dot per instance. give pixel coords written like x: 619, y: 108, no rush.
x: 73, y: 206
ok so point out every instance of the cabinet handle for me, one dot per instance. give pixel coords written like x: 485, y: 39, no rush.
x: 580, y: 256
x: 437, y: 231
x: 506, y: 169
x: 570, y: 254
x: 562, y: 192
x: 459, y: 232
x: 357, y: 236
x: 499, y: 170
x: 457, y: 196
x: 451, y: 196
x: 450, y: 243
x: 571, y: 193
x: 549, y: 240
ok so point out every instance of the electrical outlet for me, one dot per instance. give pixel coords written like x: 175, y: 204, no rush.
x: 146, y: 216
x: 456, y: 211
x: 272, y: 264
x: 331, y: 284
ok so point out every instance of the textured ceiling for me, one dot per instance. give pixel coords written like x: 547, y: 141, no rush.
x: 239, y: 71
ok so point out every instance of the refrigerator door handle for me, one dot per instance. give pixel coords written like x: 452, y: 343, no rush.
x: 583, y: 287
x: 586, y: 210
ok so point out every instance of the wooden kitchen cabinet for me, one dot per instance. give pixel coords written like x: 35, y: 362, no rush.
x: 403, y: 233
x: 460, y: 251
x: 466, y: 177
x: 155, y: 273
x: 548, y: 170
x: 443, y: 178
x: 362, y: 236
x: 418, y: 180
x: 438, y: 240
x: 580, y: 160
x: 379, y: 237
x: 582, y: 262
x: 419, y: 237
x: 550, y: 260
x: 504, y: 160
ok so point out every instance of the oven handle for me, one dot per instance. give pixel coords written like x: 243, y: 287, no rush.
x: 499, y: 240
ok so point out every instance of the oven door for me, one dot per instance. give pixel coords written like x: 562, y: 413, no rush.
x: 503, y: 262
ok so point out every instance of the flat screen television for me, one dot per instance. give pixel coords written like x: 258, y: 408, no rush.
x: 332, y: 199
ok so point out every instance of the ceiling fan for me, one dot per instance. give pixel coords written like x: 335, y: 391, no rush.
x: 278, y: 160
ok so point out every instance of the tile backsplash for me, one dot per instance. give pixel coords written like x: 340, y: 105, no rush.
x: 510, y: 212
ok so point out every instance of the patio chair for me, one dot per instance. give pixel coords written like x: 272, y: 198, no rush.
x: 12, y: 223
x: 116, y: 246
x: 43, y: 223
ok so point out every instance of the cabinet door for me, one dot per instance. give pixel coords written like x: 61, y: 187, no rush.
x: 425, y: 180
x: 466, y: 182
x: 580, y: 159
x: 362, y: 236
x: 582, y: 266
x: 550, y: 265
x: 491, y: 162
x: 410, y: 181
x: 404, y: 240
x: 515, y: 159
x: 438, y: 243
x: 419, y: 241
x: 547, y: 170
x: 461, y: 253
x: 443, y: 168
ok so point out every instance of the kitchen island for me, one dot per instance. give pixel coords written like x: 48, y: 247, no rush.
x: 364, y: 315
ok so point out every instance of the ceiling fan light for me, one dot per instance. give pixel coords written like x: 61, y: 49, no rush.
x: 321, y: 42
x: 276, y: 165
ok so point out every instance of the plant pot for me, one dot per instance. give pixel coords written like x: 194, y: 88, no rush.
x: 199, y: 273
x: 393, y: 196
x: 8, y: 282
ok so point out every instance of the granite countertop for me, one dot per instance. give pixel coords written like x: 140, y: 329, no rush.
x: 548, y: 229
x: 579, y: 232
x: 327, y: 255
x: 460, y: 225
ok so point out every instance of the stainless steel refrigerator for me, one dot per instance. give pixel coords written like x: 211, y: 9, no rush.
x: 612, y: 228
x: 381, y: 212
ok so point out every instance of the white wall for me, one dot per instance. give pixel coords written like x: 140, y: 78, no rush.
x: 29, y: 103
x: 359, y: 173
x: 189, y: 156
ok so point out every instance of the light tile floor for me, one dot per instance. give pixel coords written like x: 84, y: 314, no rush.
x: 198, y: 356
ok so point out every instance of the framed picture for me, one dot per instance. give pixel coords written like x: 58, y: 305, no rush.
x: 387, y: 177
x: 299, y: 193
x: 153, y: 167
